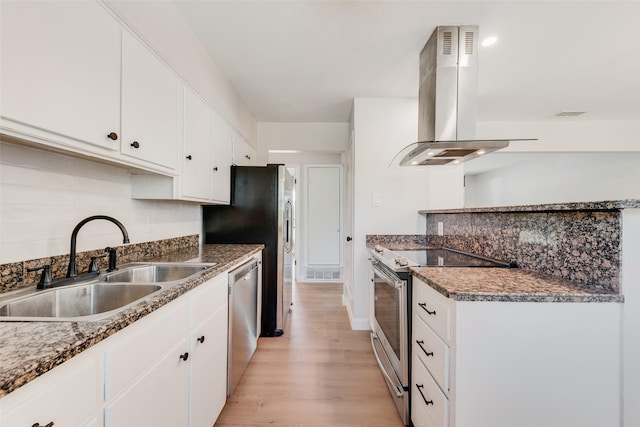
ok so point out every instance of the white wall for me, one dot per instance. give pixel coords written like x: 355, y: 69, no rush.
x: 43, y: 195
x: 161, y: 25
x: 566, y: 134
x: 631, y: 315
x: 557, y: 177
x: 382, y: 128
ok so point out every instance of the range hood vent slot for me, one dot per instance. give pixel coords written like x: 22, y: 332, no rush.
x: 447, y: 101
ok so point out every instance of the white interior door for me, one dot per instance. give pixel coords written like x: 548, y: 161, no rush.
x: 323, y: 215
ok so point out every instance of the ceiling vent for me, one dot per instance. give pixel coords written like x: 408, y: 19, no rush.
x: 570, y: 113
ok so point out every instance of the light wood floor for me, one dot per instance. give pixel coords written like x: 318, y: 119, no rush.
x: 319, y: 373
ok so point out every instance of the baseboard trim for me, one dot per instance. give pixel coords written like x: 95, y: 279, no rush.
x: 357, y: 323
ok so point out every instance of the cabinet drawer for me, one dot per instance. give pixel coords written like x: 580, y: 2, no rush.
x: 143, y: 343
x: 427, y: 396
x: 432, y: 351
x: 66, y: 396
x: 419, y: 416
x: 428, y: 307
x: 209, y: 298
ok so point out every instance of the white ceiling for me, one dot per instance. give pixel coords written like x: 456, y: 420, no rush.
x: 304, y: 61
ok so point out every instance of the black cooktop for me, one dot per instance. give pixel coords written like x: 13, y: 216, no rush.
x: 443, y: 257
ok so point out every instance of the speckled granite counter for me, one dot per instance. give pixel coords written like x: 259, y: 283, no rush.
x: 610, y: 205
x: 506, y: 284
x: 29, y: 349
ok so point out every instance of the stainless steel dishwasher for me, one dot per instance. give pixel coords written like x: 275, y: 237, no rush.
x: 243, y: 320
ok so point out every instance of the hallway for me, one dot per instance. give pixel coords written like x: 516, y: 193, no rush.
x: 319, y: 373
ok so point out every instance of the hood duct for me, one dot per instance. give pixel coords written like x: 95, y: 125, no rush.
x: 447, y: 101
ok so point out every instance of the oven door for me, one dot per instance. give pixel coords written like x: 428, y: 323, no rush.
x: 389, y: 338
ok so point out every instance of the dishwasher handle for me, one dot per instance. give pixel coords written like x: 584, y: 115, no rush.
x: 244, y: 271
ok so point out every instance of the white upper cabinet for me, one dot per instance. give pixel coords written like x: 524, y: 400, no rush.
x: 221, y: 159
x: 61, y: 73
x: 151, y: 106
x: 243, y: 153
x: 196, y: 156
x: 206, y: 160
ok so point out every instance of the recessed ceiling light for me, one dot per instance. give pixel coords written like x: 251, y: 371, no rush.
x: 489, y: 41
x: 480, y: 152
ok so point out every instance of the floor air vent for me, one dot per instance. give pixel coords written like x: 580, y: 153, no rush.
x: 330, y: 274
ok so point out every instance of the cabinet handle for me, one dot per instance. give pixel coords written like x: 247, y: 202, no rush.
x: 189, y: 157
x: 135, y: 144
x: 428, y: 353
x: 47, y: 425
x: 113, y: 136
x: 248, y: 157
x: 215, y: 168
x: 184, y: 356
x: 201, y: 339
x: 420, y: 387
x: 424, y: 307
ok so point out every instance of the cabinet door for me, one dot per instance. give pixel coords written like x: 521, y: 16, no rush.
x: 196, y: 159
x: 243, y: 153
x: 209, y: 369
x: 221, y: 159
x: 159, y: 398
x: 61, y: 73
x: 151, y: 106
x: 209, y: 314
x: 65, y: 396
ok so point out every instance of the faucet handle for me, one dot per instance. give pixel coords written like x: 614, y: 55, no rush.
x: 112, y: 258
x: 94, y: 266
x: 45, y: 277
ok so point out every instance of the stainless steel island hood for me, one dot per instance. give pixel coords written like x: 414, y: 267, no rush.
x: 447, y: 101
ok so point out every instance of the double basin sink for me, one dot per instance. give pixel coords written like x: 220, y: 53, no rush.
x: 98, y: 297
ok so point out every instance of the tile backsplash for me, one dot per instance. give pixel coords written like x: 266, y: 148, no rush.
x: 15, y: 276
x: 578, y: 246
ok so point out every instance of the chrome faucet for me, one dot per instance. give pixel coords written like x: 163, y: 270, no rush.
x: 72, y: 269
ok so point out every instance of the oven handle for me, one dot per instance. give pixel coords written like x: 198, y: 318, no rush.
x: 399, y: 389
x: 397, y: 283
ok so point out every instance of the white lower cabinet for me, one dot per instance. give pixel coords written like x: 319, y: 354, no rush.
x: 69, y: 395
x: 504, y: 364
x: 167, y: 369
x: 208, y: 385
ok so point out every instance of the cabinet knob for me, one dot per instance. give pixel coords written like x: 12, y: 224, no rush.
x: 184, y: 356
x: 113, y: 136
x: 201, y: 339
x: 349, y: 238
x: 135, y: 144
x: 248, y: 157
x: 189, y: 157
x: 46, y: 425
x: 215, y: 168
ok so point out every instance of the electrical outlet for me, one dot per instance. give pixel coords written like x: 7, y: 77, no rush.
x: 376, y: 200
x: 440, y: 229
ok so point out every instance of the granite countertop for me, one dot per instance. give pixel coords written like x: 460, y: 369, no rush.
x: 507, y: 284
x: 495, y: 284
x: 29, y: 349
x: 610, y: 205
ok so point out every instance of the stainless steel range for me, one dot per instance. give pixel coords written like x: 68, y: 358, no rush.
x: 391, y: 280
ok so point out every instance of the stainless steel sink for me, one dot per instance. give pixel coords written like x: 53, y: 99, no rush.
x: 153, y: 273
x: 97, y: 297
x: 76, y: 301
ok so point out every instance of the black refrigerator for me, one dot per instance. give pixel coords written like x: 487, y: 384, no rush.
x: 261, y: 211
